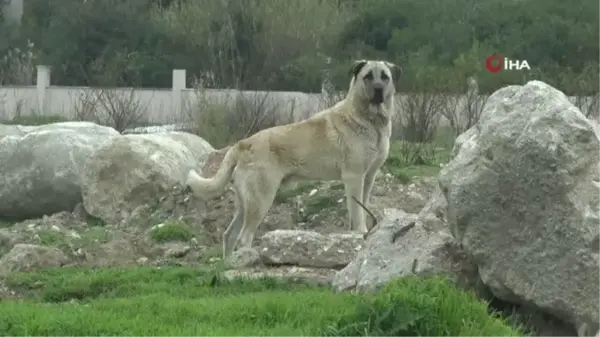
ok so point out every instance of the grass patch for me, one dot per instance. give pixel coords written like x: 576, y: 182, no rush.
x: 34, y: 120
x: 318, y: 203
x: 95, y: 234
x: 147, y: 301
x: 66, y: 242
x: 64, y: 284
x: 49, y: 237
x: 412, y: 306
x: 171, y: 231
x: 409, y: 160
x: 6, y: 223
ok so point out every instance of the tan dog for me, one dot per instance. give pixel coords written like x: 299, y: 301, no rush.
x: 348, y: 142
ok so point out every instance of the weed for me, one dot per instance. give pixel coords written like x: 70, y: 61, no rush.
x: 171, y: 231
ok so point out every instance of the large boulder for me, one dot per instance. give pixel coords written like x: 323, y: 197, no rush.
x: 523, y: 197
x: 11, y: 130
x: 137, y: 170
x: 402, y: 245
x: 41, y: 166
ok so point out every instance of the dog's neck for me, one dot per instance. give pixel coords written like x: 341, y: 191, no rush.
x: 377, y: 115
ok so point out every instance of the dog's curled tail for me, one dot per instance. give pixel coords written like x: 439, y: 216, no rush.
x: 207, y: 188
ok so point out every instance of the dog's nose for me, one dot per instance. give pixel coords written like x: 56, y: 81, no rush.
x: 378, y: 95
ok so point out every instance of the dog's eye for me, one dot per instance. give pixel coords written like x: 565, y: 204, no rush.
x: 368, y: 76
x: 384, y: 76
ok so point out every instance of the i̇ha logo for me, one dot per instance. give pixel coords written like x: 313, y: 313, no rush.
x: 495, y: 63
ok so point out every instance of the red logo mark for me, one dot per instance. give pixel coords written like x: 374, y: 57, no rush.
x: 494, y: 63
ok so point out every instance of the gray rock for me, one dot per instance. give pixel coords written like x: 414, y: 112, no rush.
x: 119, y: 252
x: 243, y: 257
x: 26, y: 257
x: 41, y: 169
x: 309, y: 249
x: 158, y: 129
x: 314, y: 276
x: 135, y: 170
x: 11, y: 130
x: 199, y: 147
x: 401, y: 246
x: 523, y: 196
x: 176, y: 249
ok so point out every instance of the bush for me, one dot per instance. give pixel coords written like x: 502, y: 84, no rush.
x: 222, y: 123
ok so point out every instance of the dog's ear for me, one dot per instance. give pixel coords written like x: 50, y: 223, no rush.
x: 395, y: 69
x: 356, y: 67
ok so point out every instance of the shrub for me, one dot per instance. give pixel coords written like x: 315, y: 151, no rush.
x: 221, y: 122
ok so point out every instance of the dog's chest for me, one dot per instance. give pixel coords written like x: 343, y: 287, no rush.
x: 378, y: 144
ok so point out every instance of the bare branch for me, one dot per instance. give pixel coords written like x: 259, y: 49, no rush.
x: 370, y: 214
x: 110, y: 107
x: 402, y: 231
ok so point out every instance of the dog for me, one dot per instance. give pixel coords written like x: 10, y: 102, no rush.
x: 349, y: 142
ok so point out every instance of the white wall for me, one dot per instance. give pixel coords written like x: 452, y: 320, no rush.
x: 157, y: 106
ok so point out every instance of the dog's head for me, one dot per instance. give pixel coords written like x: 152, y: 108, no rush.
x: 373, y: 81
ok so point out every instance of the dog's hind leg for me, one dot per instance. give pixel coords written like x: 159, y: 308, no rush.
x: 233, y: 230
x: 353, y: 183
x: 258, y: 195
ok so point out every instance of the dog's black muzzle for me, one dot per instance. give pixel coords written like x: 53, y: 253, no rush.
x: 377, y: 96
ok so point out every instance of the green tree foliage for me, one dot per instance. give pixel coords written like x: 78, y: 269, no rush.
x: 290, y: 45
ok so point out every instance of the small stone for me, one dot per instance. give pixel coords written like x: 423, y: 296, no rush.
x: 243, y: 257
x: 177, y: 251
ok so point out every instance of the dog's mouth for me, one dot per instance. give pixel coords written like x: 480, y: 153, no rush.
x: 377, y: 100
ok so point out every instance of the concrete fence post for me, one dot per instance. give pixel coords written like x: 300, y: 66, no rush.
x: 176, y: 93
x: 42, y: 82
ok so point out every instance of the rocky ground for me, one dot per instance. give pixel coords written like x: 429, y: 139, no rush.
x: 183, y: 230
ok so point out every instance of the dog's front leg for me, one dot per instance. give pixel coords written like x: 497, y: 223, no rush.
x: 370, y: 180
x: 354, y: 185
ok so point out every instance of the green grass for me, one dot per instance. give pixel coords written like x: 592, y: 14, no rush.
x: 184, y: 301
x: 409, y: 160
x: 171, y: 231
x: 6, y: 223
x: 49, y: 237
x: 34, y: 120
x: 317, y: 203
x: 285, y: 194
